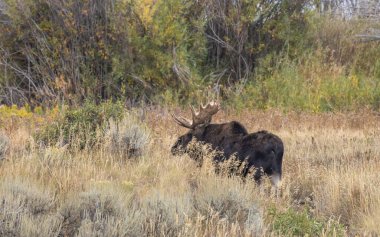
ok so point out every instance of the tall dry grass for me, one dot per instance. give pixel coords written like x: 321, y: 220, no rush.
x: 331, y: 168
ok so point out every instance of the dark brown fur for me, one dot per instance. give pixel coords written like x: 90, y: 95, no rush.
x: 261, y: 150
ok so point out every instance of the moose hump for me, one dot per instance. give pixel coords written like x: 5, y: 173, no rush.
x: 261, y: 150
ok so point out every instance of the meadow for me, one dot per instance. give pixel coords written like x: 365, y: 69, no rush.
x: 73, y: 163
x: 329, y: 187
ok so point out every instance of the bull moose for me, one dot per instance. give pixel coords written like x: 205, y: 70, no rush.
x: 262, y: 150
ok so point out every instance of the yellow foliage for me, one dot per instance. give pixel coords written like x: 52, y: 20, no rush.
x: 354, y: 81
x: 146, y: 9
x: 14, y: 111
x: 13, y: 116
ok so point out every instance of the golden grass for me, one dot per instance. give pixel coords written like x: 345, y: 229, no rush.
x: 331, y: 168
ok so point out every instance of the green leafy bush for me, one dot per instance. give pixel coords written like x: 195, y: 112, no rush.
x: 293, y: 223
x: 80, y: 127
x: 283, y: 54
x: 307, y: 85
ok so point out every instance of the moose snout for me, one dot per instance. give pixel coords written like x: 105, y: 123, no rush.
x: 176, y: 149
x: 275, y: 179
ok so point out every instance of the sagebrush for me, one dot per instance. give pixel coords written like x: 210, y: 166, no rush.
x: 325, y: 191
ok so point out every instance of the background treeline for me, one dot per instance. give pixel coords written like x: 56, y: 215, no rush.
x: 290, y: 54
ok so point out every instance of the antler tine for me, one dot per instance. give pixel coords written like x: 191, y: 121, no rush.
x: 202, y: 106
x: 193, y: 113
x: 206, y: 112
x: 213, y: 107
x: 182, y: 121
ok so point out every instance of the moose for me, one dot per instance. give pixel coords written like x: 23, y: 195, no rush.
x: 261, y: 151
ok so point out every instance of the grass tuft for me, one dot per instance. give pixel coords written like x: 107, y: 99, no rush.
x: 4, y: 145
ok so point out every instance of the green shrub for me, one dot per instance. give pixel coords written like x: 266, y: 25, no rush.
x: 80, y: 127
x: 293, y: 223
x: 309, y: 85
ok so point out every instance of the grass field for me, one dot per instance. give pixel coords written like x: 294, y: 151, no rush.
x: 329, y: 188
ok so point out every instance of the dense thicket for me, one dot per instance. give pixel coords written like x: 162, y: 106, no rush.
x: 53, y: 51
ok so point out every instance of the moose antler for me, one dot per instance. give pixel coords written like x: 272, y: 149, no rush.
x: 202, y: 117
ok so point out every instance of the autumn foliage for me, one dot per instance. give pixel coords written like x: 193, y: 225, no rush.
x: 55, y: 52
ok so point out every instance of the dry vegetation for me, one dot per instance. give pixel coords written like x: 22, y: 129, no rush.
x: 330, y: 184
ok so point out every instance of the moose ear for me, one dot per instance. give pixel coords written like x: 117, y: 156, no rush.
x: 203, y: 125
x: 200, y: 126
